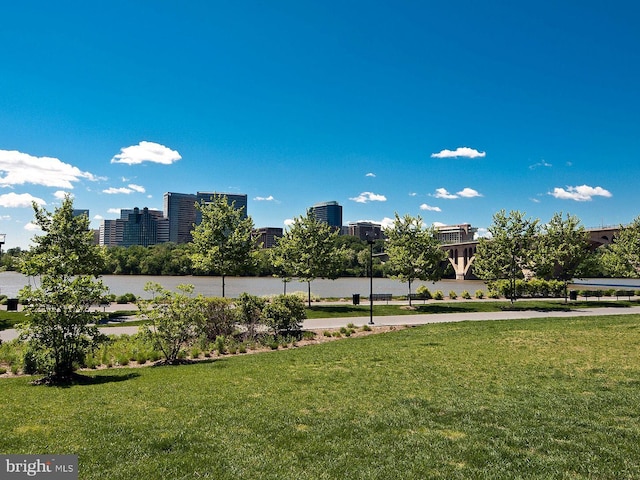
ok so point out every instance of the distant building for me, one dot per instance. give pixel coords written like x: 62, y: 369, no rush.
x: 180, y: 210
x: 141, y: 227
x: 268, y: 236
x: 111, y: 232
x: 455, y: 233
x: 365, y: 230
x: 239, y: 201
x: 329, y: 213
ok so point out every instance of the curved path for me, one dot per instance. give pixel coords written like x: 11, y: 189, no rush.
x: 416, y: 319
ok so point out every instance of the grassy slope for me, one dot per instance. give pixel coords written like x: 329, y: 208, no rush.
x: 530, y: 399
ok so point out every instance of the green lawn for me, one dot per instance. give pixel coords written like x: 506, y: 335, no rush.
x: 511, y: 399
x: 465, y: 306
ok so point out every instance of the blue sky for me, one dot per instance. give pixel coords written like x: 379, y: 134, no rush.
x: 448, y: 110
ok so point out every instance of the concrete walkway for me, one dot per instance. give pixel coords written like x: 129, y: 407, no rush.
x: 414, y: 319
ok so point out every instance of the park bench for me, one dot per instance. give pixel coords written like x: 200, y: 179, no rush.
x: 378, y: 297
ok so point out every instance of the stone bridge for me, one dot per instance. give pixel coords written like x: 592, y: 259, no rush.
x: 461, y: 255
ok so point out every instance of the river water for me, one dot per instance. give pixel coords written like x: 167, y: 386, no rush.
x: 12, y: 282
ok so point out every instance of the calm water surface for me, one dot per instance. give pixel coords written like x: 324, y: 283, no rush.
x: 12, y: 282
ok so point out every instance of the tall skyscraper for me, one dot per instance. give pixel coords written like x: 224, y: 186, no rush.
x: 180, y: 209
x: 141, y: 228
x: 329, y: 213
x: 239, y: 201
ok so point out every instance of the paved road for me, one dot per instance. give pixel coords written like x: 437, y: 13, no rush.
x: 418, y: 319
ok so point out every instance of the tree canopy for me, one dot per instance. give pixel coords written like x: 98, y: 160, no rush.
x: 223, y: 242
x: 414, y: 251
x: 308, y: 250
x: 60, y: 328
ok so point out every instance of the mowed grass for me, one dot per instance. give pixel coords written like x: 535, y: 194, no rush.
x: 542, y: 398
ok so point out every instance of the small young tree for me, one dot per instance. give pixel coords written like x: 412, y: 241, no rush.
x: 308, y: 251
x: 223, y: 241
x: 414, y: 252
x: 509, y: 250
x: 59, y: 326
x: 176, y: 319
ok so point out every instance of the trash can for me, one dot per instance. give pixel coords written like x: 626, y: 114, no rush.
x: 356, y: 299
x: 573, y: 295
x: 12, y: 304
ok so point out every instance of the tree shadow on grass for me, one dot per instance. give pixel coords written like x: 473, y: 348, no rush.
x: 435, y: 308
x: 84, y: 380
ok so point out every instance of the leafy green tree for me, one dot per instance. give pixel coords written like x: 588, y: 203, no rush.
x: 176, y: 319
x: 622, y: 257
x: 561, y: 247
x: 414, y: 251
x: 509, y: 251
x: 223, y: 242
x: 284, y: 313
x: 308, y: 250
x: 60, y: 327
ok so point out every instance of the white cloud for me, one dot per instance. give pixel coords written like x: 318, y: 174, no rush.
x: 443, y: 193
x: 439, y: 224
x: 23, y: 200
x: 412, y: 194
x: 482, y: 233
x: 429, y: 208
x: 114, y: 190
x: 31, y: 227
x: 114, y: 210
x: 288, y: 222
x: 459, y: 152
x: 98, y: 217
x: 582, y: 193
x: 60, y: 194
x: 146, y: 152
x: 136, y: 188
x: 264, y: 199
x: 131, y: 188
x: 365, y: 197
x: 17, y: 168
x: 370, y: 174
x: 468, y: 193
x: 541, y: 163
x: 387, y: 222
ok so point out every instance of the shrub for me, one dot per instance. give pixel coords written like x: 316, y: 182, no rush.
x: 423, y: 292
x: 220, y: 317
x: 466, y: 295
x: 126, y: 298
x: 285, y: 313
x: 3, y: 370
x: 326, y: 333
x: 220, y: 346
x: 479, y: 294
x: 366, y: 328
x: 438, y: 295
x: 453, y: 295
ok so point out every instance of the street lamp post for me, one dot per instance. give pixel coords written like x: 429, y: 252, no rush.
x: 371, y: 240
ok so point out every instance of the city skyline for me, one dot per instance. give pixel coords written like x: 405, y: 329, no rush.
x: 448, y: 111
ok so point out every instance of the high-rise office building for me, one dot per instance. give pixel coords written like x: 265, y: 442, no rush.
x: 180, y: 209
x: 329, y: 213
x: 239, y: 201
x: 366, y: 230
x: 111, y: 232
x: 268, y: 236
x: 141, y: 227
